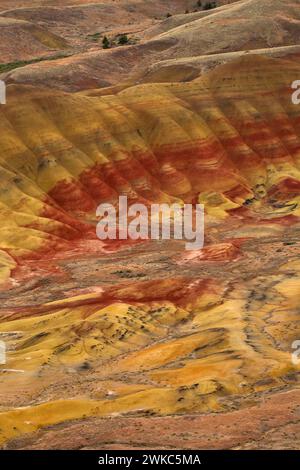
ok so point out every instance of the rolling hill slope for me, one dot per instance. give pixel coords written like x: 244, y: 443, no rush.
x: 24, y: 40
x: 182, y: 349
x: 233, y: 133
x: 239, y: 27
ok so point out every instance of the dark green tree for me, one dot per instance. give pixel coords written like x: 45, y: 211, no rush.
x: 123, y: 39
x: 105, y: 43
x: 210, y: 5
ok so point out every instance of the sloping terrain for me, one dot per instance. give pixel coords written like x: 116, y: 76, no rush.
x: 152, y: 142
x: 259, y: 426
x: 98, y: 331
x: 84, y: 23
x: 181, y: 19
x: 189, y: 348
x: 31, y: 33
x: 188, y: 68
x: 241, y: 26
x: 24, y: 40
x: 246, y: 25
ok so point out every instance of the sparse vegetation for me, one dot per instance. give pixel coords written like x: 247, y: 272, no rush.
x: 94, y: 37
x: 105, y: 43
x: 127, y: 273
x: 210, y: 5
x: 22, y: 63
x: 123, y: 39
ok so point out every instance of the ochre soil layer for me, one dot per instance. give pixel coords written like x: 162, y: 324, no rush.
x: 191, y: 346
x: 147, y: 343
x: 273, y: 423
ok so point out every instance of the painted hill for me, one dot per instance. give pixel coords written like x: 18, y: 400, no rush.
x: 233, y: 134
x: 191, y: 349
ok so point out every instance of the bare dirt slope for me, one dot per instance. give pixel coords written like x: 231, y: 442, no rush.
x: 188, y: 68
x: 239, y: 27
x: 24, y: 40
x: 77, y: 21
x: 246, y: 25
